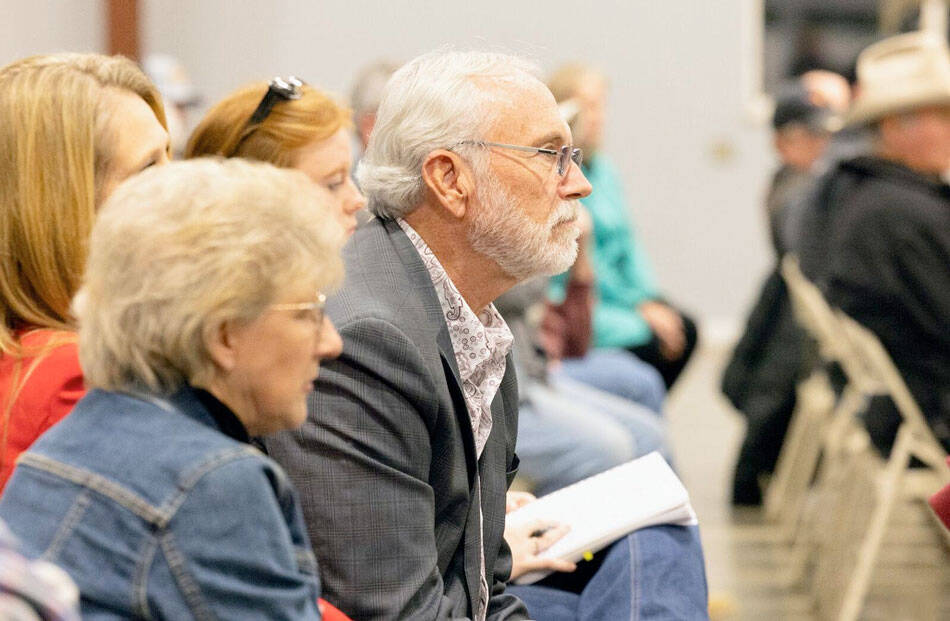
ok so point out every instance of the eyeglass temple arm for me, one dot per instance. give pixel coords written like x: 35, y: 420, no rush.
x: 516, y: 147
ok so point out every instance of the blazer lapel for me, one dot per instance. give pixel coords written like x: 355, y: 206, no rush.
x: 421, y: 282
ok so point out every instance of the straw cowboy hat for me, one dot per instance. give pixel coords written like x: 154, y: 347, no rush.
x: 899, y: 74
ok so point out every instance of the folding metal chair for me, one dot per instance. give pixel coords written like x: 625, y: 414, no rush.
x: 892, y: 479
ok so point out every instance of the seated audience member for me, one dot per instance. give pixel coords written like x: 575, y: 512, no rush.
x: 366, y: 94
x: 33, y: 590
x: 774, y: 353
x: 801, y: 134
x: 568, y: 431
x: 72, y: 126
x: 566, y: 328
x: 289, y: 124
x: 473, y: 179
x: 630, y: 312
x: 201, y: 324
x: 877, y: 237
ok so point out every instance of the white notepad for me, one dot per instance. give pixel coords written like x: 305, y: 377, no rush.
x: 601, y: 509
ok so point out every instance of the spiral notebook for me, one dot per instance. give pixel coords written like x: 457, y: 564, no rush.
x: 601, y: 509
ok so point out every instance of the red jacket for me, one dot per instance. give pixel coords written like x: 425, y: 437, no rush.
x: 329, y: 612
x: 53, y: 386
x: 941, y: 503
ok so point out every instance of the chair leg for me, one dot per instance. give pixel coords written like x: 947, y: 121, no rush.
x: 799, y: 456
x: 871, y: 544
x: 776, y: 495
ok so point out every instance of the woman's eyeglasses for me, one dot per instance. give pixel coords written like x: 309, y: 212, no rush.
x: 316, y: 307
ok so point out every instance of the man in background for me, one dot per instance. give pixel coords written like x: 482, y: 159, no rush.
x: 774, y: 353
x: 877, y: 237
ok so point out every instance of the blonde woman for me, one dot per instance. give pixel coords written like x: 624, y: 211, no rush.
x: 291, y: 125
x: 201, y: 324
x: 72, y: 127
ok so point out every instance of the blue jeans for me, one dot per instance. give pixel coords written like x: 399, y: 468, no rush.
x: 568, y: 431
x: 618, y: 372
x: 653, y: 574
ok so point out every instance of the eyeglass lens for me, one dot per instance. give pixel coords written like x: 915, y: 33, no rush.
x: 564, y: 157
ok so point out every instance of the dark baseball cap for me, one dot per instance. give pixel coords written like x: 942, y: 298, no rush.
x: 794, y: 105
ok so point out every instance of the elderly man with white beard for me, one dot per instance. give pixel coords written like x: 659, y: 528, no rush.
x: 409, y: 446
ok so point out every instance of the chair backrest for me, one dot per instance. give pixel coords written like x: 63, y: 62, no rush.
x: 810, y: 308
x: 879, y: 365
x: 822, y: 323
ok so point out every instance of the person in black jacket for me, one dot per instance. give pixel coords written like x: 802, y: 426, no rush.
x: 878, y: 238
x: 773, y: 353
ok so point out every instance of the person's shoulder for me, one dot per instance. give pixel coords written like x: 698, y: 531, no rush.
x: 888, y: 190
x: 55, y: 354
x: 167, y: 445
x: 883, y: 204
x: 238, y: 475
x: 385, y: 282
x: 374, y: 269
x: 52, y: 380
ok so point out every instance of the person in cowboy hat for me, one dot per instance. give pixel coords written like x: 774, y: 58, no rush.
x: 877, y: 236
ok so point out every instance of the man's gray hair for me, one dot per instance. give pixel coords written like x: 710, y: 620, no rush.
x: 179, y: 249
x: 433, y: 102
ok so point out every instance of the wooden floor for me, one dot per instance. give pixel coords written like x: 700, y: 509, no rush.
x: 745, y: 565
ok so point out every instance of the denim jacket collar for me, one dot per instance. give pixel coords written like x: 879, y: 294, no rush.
x: 201, y: 406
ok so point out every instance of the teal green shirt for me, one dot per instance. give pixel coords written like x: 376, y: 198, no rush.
x: 624, y: 276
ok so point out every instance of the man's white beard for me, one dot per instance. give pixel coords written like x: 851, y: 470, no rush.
x: 522, y: 247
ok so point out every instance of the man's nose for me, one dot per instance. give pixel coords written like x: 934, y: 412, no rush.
x: 574, y: 185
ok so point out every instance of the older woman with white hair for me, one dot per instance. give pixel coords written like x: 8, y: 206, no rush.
x: 201, y: 324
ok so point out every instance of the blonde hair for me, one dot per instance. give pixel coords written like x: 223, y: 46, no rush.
x: 54, y: 153
x: 181, y: 249
x: 290, y: 125
x: 567, y: 79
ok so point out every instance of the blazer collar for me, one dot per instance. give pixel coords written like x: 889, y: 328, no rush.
x: 421, y: 283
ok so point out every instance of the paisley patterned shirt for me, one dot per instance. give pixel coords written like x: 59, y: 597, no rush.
x: 480, y: 342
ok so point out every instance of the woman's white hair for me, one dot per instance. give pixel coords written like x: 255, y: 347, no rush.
x: 433, y: 102
x: 178, y: 250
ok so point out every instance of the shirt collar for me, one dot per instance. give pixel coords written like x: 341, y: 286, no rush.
x: 454, y: 306
x: 228, y: 422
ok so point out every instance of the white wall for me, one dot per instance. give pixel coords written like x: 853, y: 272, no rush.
x: 695, y: 166
x: 30, y: 27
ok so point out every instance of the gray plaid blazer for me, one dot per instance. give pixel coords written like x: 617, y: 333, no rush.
x: 385, y: 464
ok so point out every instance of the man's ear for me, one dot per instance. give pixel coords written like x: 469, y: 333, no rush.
x: 219, y: 340
x: 450, y: 180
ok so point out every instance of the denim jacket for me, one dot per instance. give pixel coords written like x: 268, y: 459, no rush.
x: 156, y: 514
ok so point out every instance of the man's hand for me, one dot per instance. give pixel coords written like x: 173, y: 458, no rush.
x: 668, y: 327
x: 531, y: 539
x: 516, y: 500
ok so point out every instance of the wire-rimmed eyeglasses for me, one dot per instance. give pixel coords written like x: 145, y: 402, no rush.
x: 564, y: 154
x: 316, y: 307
